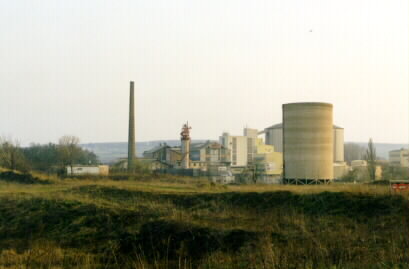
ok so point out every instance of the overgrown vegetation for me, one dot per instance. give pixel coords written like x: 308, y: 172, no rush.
x: 48, y: 158
x: 173, y: 222
x: 11, y: 155
x: 26, y: 178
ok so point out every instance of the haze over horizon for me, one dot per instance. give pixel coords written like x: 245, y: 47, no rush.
x: 66, y: 66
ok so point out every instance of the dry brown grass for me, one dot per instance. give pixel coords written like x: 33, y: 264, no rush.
x: 284, y: 236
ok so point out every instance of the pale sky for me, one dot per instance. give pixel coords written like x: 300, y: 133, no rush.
x: 65, y: 66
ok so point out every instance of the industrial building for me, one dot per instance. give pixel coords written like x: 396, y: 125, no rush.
x: 306, y: 148
x: 339, y: 155
x: 201, y: 155
x: 171, y: 156
x: 399, y: 157
x: 241, y: 147
x: 250, y: 155
x: 274, y: 136
x: 252, y: 137
x: 340, y: 170
x: 340, y: 166
x: 308, y: 143
x: 197, y: 159
x: 233, y: 157
x: 268, y: 163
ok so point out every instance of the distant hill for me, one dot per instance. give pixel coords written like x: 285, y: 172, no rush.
x: 382, y: 149
x: 110, y: 152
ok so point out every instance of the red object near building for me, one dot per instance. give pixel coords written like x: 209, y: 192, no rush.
x: 400, y: 185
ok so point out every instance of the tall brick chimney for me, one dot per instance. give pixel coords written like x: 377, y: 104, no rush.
x: 131, y: 135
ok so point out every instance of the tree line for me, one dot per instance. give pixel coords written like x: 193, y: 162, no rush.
x: 49, y: 158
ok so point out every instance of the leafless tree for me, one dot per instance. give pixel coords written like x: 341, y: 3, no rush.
x: 370, y: 157
x: 68, y: 150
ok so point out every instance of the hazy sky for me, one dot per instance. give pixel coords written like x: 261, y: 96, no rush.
x: 65, y: 66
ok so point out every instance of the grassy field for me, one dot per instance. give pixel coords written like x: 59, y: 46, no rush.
x: 169, y: 222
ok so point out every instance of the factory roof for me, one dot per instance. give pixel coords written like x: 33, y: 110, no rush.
x: 398, y: 150
x: 154, y: 149
x: 193, y: 146
x: 176, y: 149
x: 276, y: 126
x: 308, y: 104
x: 198, y: 146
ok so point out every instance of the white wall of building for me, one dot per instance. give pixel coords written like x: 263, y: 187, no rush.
x: 238, y: 149
x: 88, y: 170
x: 253, y: 133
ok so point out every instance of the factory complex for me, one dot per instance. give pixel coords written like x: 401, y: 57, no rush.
x: 306, y: 148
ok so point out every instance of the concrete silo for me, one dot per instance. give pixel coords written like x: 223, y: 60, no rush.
x: 338, y: 144
x: 308, y: 143
x: 274, y: 136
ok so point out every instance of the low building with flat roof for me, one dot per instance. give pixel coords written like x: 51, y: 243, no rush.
x: 81, y: 170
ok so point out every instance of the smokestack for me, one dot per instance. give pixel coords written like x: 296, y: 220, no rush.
x: 185, y: 145
x: 131, y: 136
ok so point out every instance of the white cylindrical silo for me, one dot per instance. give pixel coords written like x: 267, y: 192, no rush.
x: 274, y: 137
x: 338, y: 144
x: 277, y: 138
x: 308, y: 141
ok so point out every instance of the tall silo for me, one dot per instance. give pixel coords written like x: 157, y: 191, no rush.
x: 308, y: 142
x: 274, y: 136
x: 338, y: 144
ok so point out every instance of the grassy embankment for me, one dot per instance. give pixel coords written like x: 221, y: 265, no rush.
x: 183, y: 223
